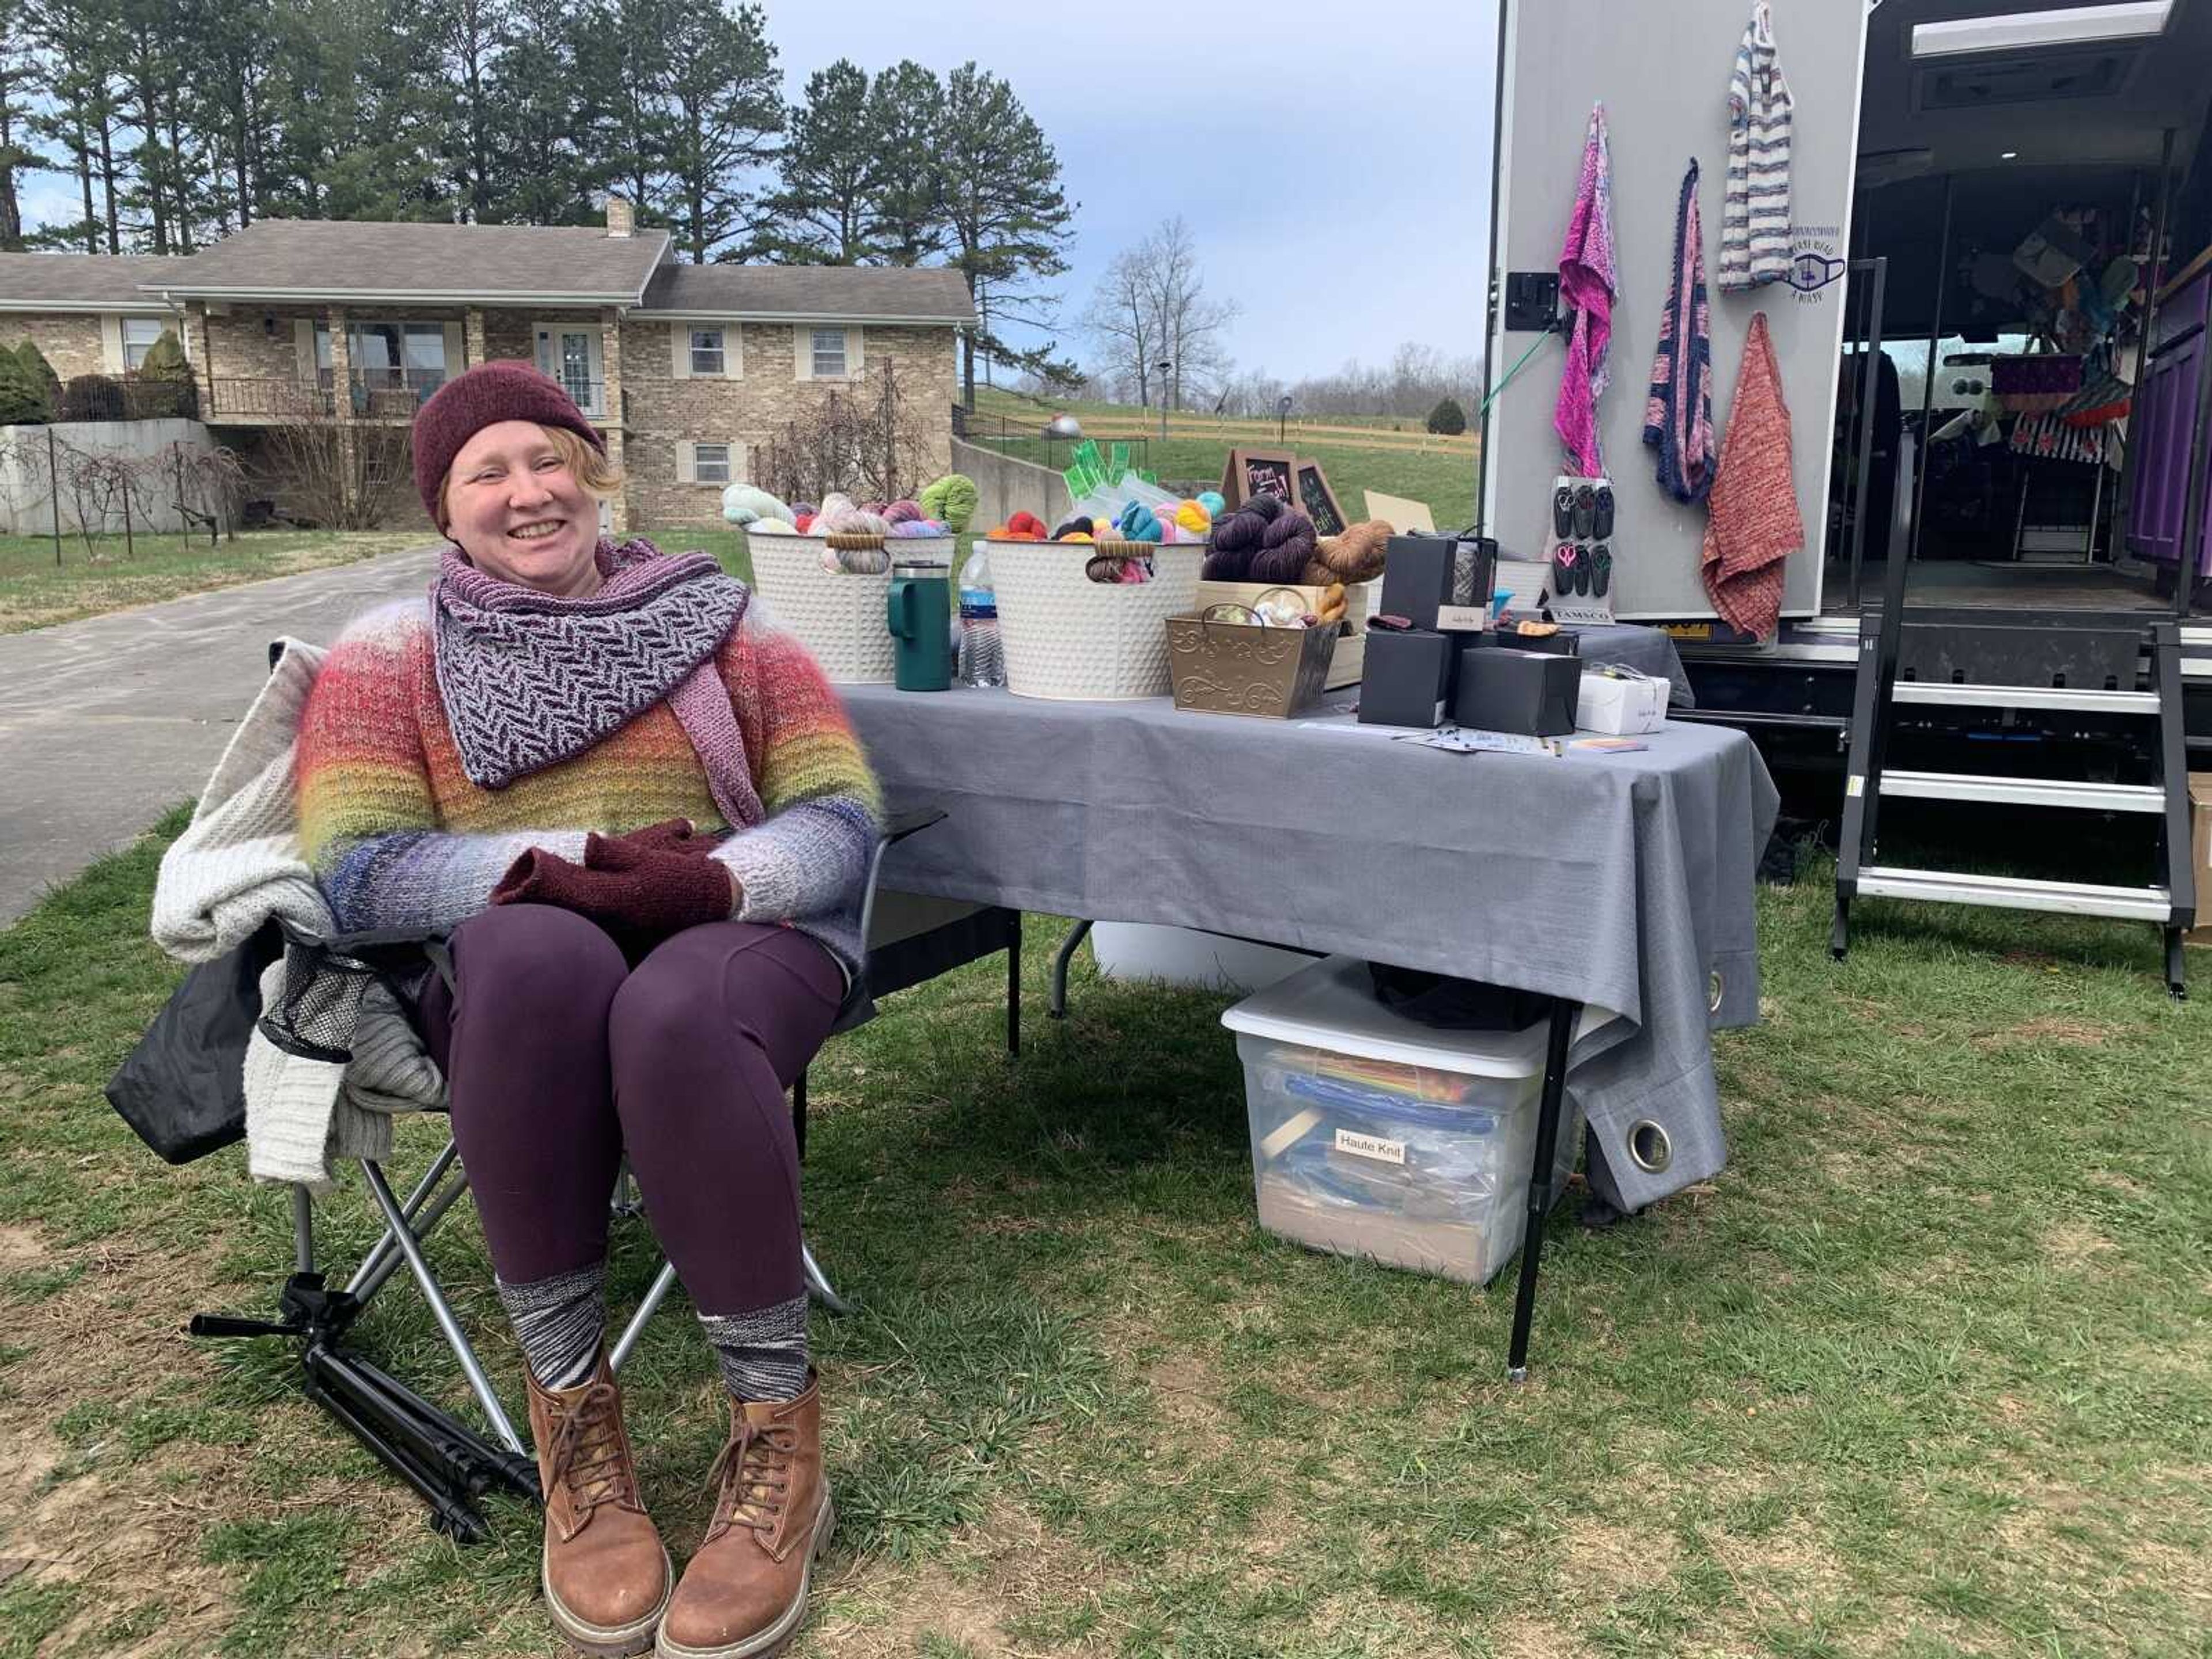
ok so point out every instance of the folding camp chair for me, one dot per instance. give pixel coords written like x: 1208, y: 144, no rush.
x: 446, y: 1462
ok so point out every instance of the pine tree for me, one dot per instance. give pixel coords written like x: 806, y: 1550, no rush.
x: 543, y: 114
x: 79, y: 42
x: 624, y: 54
x: 21, y: 79
x: 1008, y: 217
x: 820, y: 213
x: 723, y: 116
x: 906, y: 120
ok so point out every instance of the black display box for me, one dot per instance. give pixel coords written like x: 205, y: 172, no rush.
x: 1529, y: 692
x: 1441, y: 582
x: 1406, y: 678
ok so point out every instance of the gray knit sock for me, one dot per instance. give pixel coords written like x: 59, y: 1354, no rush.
x: 763, y: 1352
x: 560, y: 1323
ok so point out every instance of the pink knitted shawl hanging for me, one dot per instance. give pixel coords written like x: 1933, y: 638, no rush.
x: 1755, y: 525
x: 1588, y: 288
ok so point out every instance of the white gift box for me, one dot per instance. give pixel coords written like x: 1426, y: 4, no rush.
x: 1621, y: 704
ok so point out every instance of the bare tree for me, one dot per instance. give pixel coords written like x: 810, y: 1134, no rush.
x: 1152, y: 307
x: 344, y: 475
x: 1118, y: 321
x: 871, y: 444
x: 203, y: 483
x: 1190, y: 324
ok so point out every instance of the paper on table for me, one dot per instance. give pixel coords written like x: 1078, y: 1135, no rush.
x: 1466, y: 740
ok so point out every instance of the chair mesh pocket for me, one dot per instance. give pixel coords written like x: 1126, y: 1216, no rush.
x: 319, y: 1005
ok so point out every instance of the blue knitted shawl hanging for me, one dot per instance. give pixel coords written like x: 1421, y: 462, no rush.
x: 1678, y: 422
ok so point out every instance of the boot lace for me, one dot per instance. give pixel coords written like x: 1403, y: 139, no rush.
x: 587, y: 1448
x: 753, y: 1473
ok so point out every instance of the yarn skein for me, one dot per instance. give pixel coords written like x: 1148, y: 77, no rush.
x: 952, y: 501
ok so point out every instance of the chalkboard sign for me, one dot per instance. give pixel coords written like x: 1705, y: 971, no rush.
x: 1319, y: 500
x: 1253, y: 472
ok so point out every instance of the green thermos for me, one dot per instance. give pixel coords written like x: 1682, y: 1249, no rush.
x: 918, y: 613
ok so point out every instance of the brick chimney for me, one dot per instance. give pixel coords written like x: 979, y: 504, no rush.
x: 622, y: 217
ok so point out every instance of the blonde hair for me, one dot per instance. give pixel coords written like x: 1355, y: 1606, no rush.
x: 598, y: 476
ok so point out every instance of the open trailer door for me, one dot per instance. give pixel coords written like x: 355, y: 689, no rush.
x: 1662, y: 72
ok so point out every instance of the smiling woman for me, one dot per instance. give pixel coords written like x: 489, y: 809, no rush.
x: 639, y: 814
x: 522, y: 500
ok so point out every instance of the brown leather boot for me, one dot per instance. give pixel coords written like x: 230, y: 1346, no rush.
x: 604, y: 1571
x: 744, y: 1593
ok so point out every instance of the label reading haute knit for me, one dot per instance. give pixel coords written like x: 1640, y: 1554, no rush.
x: 1374, y: 1146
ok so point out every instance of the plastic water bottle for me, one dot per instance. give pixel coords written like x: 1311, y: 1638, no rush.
x: 982, y: 659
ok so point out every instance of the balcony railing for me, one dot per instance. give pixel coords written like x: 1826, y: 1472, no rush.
x: 372, y: 394
x: 236, y: 398
x: 388, y: 393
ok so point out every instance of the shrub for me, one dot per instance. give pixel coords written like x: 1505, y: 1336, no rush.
x: 23, y: 400
x: 165, y: 359
x: 1448, y: 419
x: 42, y: 371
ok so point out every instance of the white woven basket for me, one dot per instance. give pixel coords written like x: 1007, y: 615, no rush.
x: 836, y: 616
x: 1068, y: 637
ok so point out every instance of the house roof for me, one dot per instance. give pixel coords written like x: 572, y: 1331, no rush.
x: 342, y: 260
x: 78, y: 281
x: 933, y: 294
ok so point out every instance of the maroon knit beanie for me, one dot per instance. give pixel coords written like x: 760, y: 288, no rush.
x: 484, y: 396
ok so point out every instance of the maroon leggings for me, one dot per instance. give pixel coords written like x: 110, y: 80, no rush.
x: 559, y: 1057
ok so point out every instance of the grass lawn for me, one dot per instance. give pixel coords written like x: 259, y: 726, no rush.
x: 1437, y: 470
x: 1926, y: 1370
x: 35, y: 592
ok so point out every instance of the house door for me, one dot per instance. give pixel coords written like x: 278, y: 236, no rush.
x: 571, y: 356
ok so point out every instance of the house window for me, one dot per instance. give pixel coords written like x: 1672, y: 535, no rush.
x: 710, y: 464
x: 388, y: 356
x: 706, y: 351
x: 829, y: 353
x: 139, y: 334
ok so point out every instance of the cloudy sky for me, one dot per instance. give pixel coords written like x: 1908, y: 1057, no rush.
x: 1334, y: 160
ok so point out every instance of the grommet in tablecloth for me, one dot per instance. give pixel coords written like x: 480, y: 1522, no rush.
x: 1714, y: 986
x: 1649, y: 1147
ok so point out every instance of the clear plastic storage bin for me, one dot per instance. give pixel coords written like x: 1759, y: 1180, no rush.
x: 1376, y: 1136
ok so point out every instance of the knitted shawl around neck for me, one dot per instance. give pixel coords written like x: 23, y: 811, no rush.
x: 530, y: 679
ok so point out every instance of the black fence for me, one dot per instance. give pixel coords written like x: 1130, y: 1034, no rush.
x: 127, y: 397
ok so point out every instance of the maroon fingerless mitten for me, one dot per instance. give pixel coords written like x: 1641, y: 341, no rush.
x: 656, y: 891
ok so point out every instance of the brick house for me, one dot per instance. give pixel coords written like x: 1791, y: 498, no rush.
x: 687, y: 369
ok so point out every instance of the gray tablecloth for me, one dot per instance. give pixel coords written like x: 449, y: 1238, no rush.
x: 1622, y: 881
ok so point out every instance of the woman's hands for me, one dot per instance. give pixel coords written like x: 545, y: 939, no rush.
x: 641, y: 887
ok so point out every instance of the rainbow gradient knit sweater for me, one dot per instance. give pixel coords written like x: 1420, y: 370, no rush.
x: 400, y: 837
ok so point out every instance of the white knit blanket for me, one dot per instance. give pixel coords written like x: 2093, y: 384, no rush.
x: 239, y: 864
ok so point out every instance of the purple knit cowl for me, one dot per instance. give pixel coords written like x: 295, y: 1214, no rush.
x: 530, y: 679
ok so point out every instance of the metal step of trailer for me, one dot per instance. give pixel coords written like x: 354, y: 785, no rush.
x: 2025, y: 696
x: 2074, y: 898
x: 2025, y: 792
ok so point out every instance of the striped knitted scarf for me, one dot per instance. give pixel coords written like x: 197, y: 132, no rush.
x: 530, y: 679
x: 1678, y: 422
